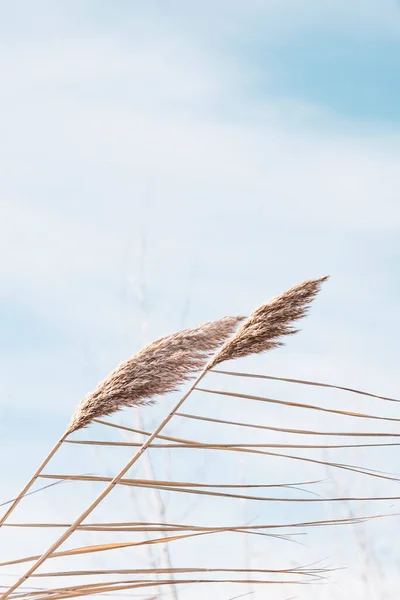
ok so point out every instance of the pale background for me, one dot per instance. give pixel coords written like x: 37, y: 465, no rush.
x: 166, y: 163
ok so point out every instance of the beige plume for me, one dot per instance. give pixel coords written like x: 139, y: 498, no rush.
x: 159, y: 368
x: 270, y: 322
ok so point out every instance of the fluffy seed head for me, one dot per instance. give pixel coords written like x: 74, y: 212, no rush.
x: 270, y: 322
x: 159, y: 368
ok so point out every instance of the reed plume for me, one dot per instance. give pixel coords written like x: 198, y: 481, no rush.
x: 161, y: 367
x: 168, y: 362
x: 270, y: 322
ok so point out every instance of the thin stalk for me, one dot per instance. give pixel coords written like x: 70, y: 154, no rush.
x: 159, y: 505
x: 66, y: 535
x: 32, y: 480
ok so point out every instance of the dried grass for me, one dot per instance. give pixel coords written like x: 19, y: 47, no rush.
x: 161, y: 367
x: 270, y: 322
x: 191, y: 444
x: 305, y: 382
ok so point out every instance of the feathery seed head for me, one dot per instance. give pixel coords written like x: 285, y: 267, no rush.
x: 161, y: 367
x: 270, y: 322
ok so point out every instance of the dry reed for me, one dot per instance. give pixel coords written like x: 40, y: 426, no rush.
x: 164, y: 365
x: 161, y: 367
x: 270, y: 322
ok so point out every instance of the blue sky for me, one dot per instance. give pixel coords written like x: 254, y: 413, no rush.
x: 209, y: 156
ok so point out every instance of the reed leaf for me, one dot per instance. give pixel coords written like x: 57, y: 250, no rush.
x: 154, y: 527
x: 188, y: 488
x: 192, y: 445
x: 287, y: 430
x: 88, y: 590
x: 299, y: 405
x: 309, y: 383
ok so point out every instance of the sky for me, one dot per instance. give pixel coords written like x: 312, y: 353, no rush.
x: 164, y: 164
